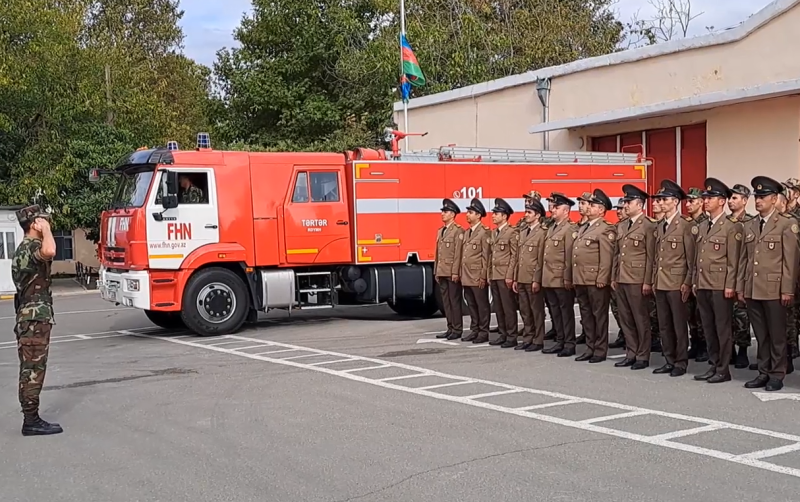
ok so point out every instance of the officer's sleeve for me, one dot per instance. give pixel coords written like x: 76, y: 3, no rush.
x: 35, y: 252
x: 514, y: 251
x: 790, y: 257
x: 741, y: 271
x: 690, y: 249
x: 537, y: 273
x: 615, y: 258
x: 486, y: 257
x: 436, y: 251
x: 459, y: 251
x: 735, y: 236
x: 569, y: 241
x: 650, y: 261
x: 607, y: 247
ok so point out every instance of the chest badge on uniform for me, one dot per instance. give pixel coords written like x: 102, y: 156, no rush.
x: 530, y: 248
x: 674, y: 245
x: 474, y: 246
x: 695, y: 230
x: 447, y: 244
x: 636, y: 244
x: 716, y: 247
x: 771, y: 246
x: 502, y: 247
x: 555, y: 243
x: 588, y: 242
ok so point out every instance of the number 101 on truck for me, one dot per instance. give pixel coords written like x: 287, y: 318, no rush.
x: 205, y: 239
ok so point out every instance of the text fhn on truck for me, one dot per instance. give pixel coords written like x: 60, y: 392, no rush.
x: 262, y: 231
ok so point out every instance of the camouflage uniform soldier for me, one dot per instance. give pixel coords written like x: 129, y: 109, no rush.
x: 30, y: 269
x: 741, y: 324
x: 191, y: 194
x: 694, y: 205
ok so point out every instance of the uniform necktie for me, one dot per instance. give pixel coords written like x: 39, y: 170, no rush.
x: 761, y: 225
x: 630, y: 224
x: 528, y: 232
x: 470, y: 232
x: 710, y: 224
x: 665, y: 226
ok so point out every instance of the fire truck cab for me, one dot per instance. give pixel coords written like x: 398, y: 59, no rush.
x: 206, y: 239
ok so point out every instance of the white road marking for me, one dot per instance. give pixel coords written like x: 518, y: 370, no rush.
x: 751, y: 459
x: 774, y: 396
x: 12, y: 344
x: 443, y: 342
x: 73, y: 312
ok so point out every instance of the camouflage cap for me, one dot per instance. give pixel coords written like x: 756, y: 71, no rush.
x: 793, y: 183
x: 533, y: 194
x: 30, y: 213
x: 694, y: 193
x: 741, y: 190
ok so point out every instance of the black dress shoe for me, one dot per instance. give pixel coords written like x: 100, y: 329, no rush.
x: 705, y: 376
x: 619, y: 343
x: 581, y: 340
x: 596, y: 359
x: 676, y: 372
x: 509, y: 344
x: 443, y: 335
x: 566, y: 353
x: 555, y: 349
x: 534, y: 348
x: 497, y: 342
x: 494, y: 330
x: 719, y: 378
x: 550, y: 335
x: 625, y: 363
x: 583, y: 357
x: 640, y: 365
x: 757, y: 383
x: 454, y: 336
x: 480, y: 340
x: 702, y: 356
x: 773, y: 385
x: 753, y: 367
x: 469, y: 338
x: 789, y: 365
x: 523, y: 346
x: 656, y: 346
x: 667, y: 368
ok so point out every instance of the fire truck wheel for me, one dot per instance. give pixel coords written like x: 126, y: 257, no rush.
x: 166, y: 320
x: 215, y: 302
x: 415, y: 308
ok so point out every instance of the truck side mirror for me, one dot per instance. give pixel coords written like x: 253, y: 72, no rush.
x: 169, y: 189
x: 172, y: 183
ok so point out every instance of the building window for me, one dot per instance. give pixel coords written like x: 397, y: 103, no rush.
x: 63, y: 240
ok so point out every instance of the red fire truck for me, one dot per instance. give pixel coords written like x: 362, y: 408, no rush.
x: 300, y: 231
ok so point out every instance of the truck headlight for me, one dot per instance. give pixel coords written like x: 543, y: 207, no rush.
x: 133, y: 284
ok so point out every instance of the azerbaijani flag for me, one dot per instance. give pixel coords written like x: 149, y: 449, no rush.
x: 412, y: 73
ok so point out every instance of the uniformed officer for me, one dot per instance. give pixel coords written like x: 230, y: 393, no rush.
x: 768, y: 268
x: 793, y: 329
x: 557, y: 274
x: 449, y: 246
x: 592, y: 265
x: 716, y: 269
x: 673, y: 278
x: 583, y: 206
x: 633, y: 278
x: 655, y: 330
x: 622, y: 216
x: 33, y: 302
x: 502, y: 265
x: 697, y: 344
x: 474, y: 273
x: 741, y: 323
x: 528, y: 278
x: 546, y: 222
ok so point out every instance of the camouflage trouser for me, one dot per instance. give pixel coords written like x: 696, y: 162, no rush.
x: 615, y: 311
x: 656, y: 332
x: 741, y: 326
x: 695, y: 326
x: 33, y: 345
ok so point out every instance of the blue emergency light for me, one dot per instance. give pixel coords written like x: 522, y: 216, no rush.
x: 172, y: 146
x: 203, y: 140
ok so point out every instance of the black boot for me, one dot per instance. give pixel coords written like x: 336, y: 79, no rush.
x: 33, y: 425
x: 742, y: 361
x: 550, y: 335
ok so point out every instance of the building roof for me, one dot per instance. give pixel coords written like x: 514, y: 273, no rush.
x: 753, y: 23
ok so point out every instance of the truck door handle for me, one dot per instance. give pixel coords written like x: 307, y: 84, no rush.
x: 341, y: 222
x: 211, y: 226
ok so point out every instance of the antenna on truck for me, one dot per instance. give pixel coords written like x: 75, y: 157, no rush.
x: 394, y: 136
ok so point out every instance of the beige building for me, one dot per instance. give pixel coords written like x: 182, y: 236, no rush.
x: 726, y: 104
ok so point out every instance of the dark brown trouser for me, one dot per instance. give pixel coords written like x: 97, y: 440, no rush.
x: 562, y: 304
x: 716, y: 313
x: 634, y: 314
x: 479, y: 311
x: 593, y: 303
x: 452, y: 298
x: 768, y: 318
x: 673, y: 319
x: 531, y: 306
x: 506, y: 311
x: 33, y: 347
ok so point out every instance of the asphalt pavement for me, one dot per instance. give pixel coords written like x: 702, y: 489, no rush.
x: 360, y: 404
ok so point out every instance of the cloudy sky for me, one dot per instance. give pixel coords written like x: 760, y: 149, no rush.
x: 209, y: 24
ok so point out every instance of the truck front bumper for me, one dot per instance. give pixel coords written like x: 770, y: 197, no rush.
x: 131, y: 288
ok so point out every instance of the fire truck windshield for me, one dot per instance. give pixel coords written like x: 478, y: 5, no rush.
x: 132, y: 188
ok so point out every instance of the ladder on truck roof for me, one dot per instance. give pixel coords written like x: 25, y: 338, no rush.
x: 475, y: 154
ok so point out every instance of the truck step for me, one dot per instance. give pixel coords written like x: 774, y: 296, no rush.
x: 314, y: 290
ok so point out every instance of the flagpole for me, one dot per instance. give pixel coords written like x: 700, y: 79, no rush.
x: 405, y: 103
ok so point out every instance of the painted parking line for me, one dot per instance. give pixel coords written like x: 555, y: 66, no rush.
x: 12, y: 344
x: 73, y: 312
x: 753, y: 459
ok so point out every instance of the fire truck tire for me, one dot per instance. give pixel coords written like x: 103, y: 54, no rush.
x: 215, y: 302
x: 166, y: 320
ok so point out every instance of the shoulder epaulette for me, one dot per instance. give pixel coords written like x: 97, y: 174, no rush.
x: 733, y: 219
x: 485, y: 227
x: 787, y: 215
x: 688, y: 218
x: 651, y: 220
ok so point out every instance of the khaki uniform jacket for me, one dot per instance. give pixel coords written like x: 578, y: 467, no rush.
x: 675, y: 254
x: 531, y: 254
x: 718, y: 250
x: 636, y: 251
x: 557, y: 256
x: 449, y: 245
x: 768, y: 263
x: 593, y: 253
x: 503, y: 253
x: 475, y: 256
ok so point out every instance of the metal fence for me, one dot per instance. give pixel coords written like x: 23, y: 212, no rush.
x: 86, y: 276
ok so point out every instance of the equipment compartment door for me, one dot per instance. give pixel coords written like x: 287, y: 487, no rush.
x: 317, y: 226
